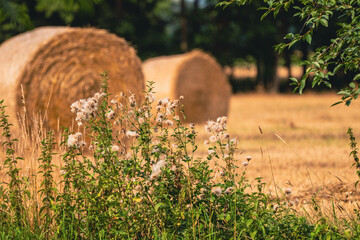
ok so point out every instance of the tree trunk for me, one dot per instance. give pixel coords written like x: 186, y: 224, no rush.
x: 183, y: 26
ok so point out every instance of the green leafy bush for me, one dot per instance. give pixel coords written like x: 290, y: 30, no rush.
x: 136, y: 176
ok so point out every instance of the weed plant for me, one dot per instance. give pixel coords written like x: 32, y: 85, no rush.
x: 134, y: 175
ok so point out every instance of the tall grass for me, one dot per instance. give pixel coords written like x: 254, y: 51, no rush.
x: 133, y: 173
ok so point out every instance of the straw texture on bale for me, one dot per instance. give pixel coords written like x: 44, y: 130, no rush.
x: 57, y: 66
x: 196, y: 76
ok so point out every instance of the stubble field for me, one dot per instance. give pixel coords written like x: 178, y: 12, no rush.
x: 298, y: 142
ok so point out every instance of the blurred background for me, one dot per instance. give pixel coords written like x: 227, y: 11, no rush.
x: 235, y: 36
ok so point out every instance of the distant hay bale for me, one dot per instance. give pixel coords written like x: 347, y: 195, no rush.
x: 196, y: 76
x: 57, y: 66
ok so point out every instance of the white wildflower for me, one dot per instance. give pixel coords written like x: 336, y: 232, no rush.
x: 228, y: 190
x: 115, y: 148
x: 110, y: 114
x: 288, y: 191
x: 141, y: 120
x: 181, y: 97
x: 192, y: 125
x: 206, y: 142
x: 132, y: 134
x: 212, y: 138
x: 74, y: 140
x: 245, y: 163
x: 169, y: 123
x: 248, y: 158
x: 176, y: 118
x: 217, y: 191
x: 211, y: 151
x: 156, y: 169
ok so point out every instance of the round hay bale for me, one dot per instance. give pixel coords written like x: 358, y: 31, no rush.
x: 57, y: 66
x: 196, y: 76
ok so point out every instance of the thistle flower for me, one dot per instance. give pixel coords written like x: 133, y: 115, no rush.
x: 288, y: 191
x: 228, y: 190
x: 150, y: 97
x: 169, y: 123
x: 156, y: 169
x: 165, y: 101
x: 217, y: 191
x: 115, y: 148
x: 212, y: 138
x: 74, y: 140
x: 110, y: 114
x: 141, y: 120
x: 132, y: 134
x: 245, y: 163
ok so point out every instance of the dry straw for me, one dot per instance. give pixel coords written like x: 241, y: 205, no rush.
x: 57, y: 66
x: 196, y: 76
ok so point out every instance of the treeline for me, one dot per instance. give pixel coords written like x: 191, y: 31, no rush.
x: 163, y: 27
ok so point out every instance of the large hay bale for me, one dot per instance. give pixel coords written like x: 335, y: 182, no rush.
x: 59, y: 65
x: 196, y: 76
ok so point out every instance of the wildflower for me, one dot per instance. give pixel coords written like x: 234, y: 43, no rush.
x: 128, y: 156
x: 192, y: 125
x: 206, y: 142
x: 132, y: 100
x: 222, y: 173
x: 226, y: 156
x: 223, y: 119
x: 211, y: 151
x: 165, y: 101
x: 223, y: 135
x: 115, y: 148
x: 110, y: 114
x: 217, y: 191
x: 132, y: 134
x: 156, y: 169
x: 82, y: 144
x: 176, y: 118
x: 169, y: 123
x: 62, y: 172
x: 233, y: 141
x: 202, y: 196
x: 150, y: 97
x: 275, y: 207
x: 73, y: 140
x: 174, y: 145
x: 228, y: 190
x: 248, y: 158
x: 288, y: 191
x: 245, y: 163
x: 141, y: 120
x: 212, y: 138
x: 181, y: 97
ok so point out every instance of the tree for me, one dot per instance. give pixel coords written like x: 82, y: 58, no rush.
x: 341, y: 53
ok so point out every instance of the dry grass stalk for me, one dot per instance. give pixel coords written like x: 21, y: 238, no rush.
x: 196, y: 76
x: 59, y: 65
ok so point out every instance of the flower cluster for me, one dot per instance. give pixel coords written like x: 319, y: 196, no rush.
x: 156, y: 169
x: 84, y: 108
x: 74, y: 140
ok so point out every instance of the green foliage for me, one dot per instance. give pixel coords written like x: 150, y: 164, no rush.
x: 343, y: 51
x: 139, y: 178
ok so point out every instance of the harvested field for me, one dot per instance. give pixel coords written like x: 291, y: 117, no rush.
x: 303, y: 144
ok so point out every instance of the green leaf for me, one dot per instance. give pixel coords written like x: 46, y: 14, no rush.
x: 324, y: 22
x: 357, y: 77
x: 308, y: 38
